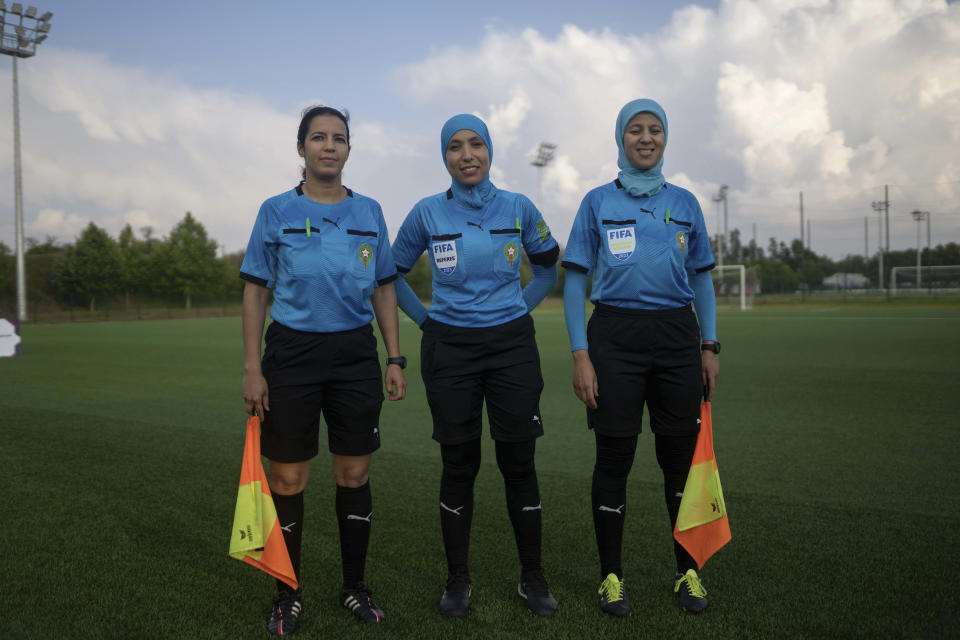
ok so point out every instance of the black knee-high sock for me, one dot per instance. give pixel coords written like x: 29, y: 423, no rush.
x: 516, y: 463
x: 461, y: 462
x: 354, y: 512
x: 609, y: 497
x: 674, y: 454
x: 290, y: 517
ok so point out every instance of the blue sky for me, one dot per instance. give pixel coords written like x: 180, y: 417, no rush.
x: 136, y: 112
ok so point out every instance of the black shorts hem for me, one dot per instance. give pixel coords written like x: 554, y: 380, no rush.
x: 438, y: 437
x: 360, y: 450
x: 613, y: 432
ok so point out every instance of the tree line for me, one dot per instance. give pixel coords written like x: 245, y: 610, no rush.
x: 97, y: 269
x: 183, y: 267
x: 785, y: 268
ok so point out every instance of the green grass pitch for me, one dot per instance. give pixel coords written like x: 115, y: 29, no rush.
x: 836, y: 435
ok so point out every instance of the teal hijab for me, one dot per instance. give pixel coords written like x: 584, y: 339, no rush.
x: 639, y: 182
x: 476, y: 196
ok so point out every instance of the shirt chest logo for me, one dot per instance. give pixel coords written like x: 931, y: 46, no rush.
x: 365, y: 251
x: 510, y: 252
x: 682, y: 241
x: 622, y: 242
x: 445, y: 256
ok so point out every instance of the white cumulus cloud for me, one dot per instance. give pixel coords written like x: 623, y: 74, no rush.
x: 772, y: 98
x: 834, y: 99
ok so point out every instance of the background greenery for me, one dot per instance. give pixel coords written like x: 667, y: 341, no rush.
x: 836, y: 435
x: 180, y: 275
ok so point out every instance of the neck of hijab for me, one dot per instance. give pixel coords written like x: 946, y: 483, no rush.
x: 639, y: 182
x: 470, y: 196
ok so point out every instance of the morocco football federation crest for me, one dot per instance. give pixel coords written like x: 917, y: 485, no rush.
x: 510, y: 252
x: 445, y: 256
x: 682, y: 241
x: 622, y: 242
x: 366, y: 253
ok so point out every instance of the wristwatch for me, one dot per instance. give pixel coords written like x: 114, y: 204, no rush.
x: 400, y: 361
x: 710, y: 346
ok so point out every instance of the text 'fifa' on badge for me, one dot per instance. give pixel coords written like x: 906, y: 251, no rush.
x: 622, y: 242
x: 445, y: 256
x: 682, y: 241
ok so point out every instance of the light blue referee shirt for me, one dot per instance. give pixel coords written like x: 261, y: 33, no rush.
x: 640, y: 250
x: 475, y: 255
x: 322, y: 261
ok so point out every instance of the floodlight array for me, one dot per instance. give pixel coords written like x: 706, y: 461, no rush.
x: 21, y: 30
x: 544, y: 154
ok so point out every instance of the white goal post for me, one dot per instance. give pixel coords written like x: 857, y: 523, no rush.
x: 739, y: 280
x: 911, y: 279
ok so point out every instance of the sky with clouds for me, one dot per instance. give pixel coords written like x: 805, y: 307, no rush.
x: 138, y: 112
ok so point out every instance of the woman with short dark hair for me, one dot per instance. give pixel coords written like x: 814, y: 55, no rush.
x: 324, y: 251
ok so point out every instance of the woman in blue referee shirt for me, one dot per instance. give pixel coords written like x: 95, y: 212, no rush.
x: 645, y: 241
x: 324, y: 252
x: 478, y: 346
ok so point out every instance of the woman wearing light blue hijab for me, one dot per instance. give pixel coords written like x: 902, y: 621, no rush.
x: 646, y: 244
x: 479, y: 347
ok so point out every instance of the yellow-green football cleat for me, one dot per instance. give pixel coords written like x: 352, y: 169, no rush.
x: 613, y: 596
x: 690, y: 592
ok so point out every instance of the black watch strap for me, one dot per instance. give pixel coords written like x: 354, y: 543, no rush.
x: 400, y: 361
x: 710, y: 346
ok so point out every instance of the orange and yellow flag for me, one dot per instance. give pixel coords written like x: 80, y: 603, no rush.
x: 702, y: 526
x: 257, y: 538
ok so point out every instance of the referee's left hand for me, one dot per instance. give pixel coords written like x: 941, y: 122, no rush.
x: 709, y: 371
x: 395, y: 382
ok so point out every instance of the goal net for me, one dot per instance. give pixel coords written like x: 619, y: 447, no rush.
x: 942, y: 278
x: 736, y: 284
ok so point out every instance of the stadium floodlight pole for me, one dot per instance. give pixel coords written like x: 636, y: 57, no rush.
x: 20, y: 33
x: 866, y: 241
x: 919, y: 216
x: 722, y: 197
x: 542, y: 157
x: 879, y: 207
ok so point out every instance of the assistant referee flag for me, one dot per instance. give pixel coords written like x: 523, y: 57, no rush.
x: 702, y: 526
x: 257, y: 538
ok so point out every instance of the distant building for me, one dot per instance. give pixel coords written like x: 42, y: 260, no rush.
x: 846, y: 281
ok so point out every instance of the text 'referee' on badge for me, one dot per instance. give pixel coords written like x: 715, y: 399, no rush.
x: 445, y: 256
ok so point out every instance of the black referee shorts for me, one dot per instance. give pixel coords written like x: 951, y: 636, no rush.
x: 336, y: 375
x: 645, y: 356
x: 463, y: 366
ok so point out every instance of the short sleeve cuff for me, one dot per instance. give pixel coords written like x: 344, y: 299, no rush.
x: 546, y: 258
x: 254, y: 279
x: 573, y: 265
x: 709, y: 267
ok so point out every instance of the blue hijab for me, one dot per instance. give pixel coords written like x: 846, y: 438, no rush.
x: 483, y: 192
x: 639, y: 182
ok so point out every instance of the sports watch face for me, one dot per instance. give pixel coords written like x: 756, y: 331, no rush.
x: 710, y: 346
x: 400, y: 361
